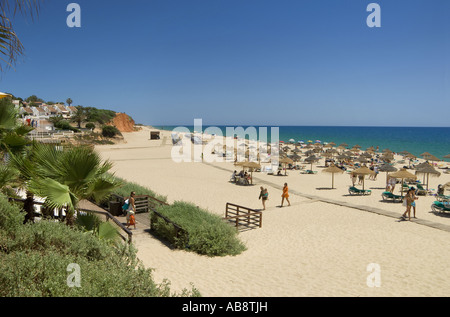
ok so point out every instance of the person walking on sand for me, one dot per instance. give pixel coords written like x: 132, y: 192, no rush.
x: 285, y: 195
x: 264, y: 195
x: 353, y: 177
x: 131, y: 221
x: 410, y: 198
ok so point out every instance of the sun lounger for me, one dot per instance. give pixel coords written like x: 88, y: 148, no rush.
x: 420, y: 190
x: 388, y: 195
x: 308, y: 172
x: 439, y: 206
x: 355, y: 191
x: 442, y: 198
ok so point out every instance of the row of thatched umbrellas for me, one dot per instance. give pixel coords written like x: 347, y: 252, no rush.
x: 423, y: 168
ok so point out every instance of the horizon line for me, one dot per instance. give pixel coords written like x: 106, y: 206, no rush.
x: 281, y: 125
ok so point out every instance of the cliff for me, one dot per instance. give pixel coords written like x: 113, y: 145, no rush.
x: 123, y: 122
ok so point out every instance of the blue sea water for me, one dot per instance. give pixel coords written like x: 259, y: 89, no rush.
x: 415, y: 140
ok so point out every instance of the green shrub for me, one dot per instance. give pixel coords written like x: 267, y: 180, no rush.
x: 109, y: 131
x: 127, y: 187
x: 34, y: 261
x: 65, y: 125
x: 208, y: 233
x: 90, y: 125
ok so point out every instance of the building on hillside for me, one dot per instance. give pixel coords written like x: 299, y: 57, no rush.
x: 63, y: 111
x: 39, y: 112
x: 72, y: 110
x: 26, y: 111
x: 16, y: 103
x: 51, y: 110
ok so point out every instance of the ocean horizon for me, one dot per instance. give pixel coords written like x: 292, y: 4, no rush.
x: 415, y: 140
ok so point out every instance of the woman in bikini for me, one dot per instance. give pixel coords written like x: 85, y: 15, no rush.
x: 285, y: 195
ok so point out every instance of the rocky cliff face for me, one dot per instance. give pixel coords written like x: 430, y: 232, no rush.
x: 123, y: 122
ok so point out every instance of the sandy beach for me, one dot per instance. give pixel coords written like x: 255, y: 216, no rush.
x: 312, y: 248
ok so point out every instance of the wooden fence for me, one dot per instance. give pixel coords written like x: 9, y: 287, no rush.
x: 143, y: 203
x: 242, y: 216
x: 181, y: 237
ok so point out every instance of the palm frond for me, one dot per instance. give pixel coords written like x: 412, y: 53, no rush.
x: 101, y: 188
x: 10, y: 45
x: 106, y: 231
x: 56, y: 194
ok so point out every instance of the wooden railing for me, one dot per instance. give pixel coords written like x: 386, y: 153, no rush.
x: 242, y: 216
x: 127, y: 238
x: 143, y: 203
x: 179, y: 231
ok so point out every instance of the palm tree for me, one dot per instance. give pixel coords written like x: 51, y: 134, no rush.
x: 69, y: 101
x: 79, y: 116
x: 12, y: 132
x: 10, y: 46
x: 65, y: 177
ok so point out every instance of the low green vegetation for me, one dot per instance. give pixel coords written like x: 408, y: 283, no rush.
x: 100, y: 116
x: 207, y: 234
x: 35, y: 261
x: 110, y: 131
x: 127, y: 187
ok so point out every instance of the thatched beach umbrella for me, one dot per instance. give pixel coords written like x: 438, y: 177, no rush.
x: 387, y: 157
x: 250, y: 165
x: 333, y: 169
x: 432, y: 158
x: 403, y: 174
x: 311, y: 159
x: 427, y: 169
x: 364, y: 170
x: 388, y: 168
x: 295, y: 157
x: 362, y: 159
x: 425, y: 154
x: 285, y: 161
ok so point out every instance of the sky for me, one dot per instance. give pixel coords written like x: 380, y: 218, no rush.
x: 242, y: 62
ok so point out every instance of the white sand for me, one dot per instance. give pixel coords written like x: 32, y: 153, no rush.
x: 309, y: 249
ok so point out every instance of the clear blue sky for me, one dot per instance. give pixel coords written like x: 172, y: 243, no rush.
x: 243, y: 62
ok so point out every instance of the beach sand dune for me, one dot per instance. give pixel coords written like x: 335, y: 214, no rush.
x: 312, y: 248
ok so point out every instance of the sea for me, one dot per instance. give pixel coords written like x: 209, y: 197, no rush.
x: 415, y: 140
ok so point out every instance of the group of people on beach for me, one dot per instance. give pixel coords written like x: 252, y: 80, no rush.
x: 264, y: 195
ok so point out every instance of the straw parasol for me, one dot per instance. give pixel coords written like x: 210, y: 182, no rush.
x: 286, y: 160
x: 362, y: 159
x: 387, y: 168
x: 363, y: 170
x: 432, y: 158
x: 403, y: 173
x: 333, y: 169
x: 295, y: 157
x: 311, y: 159
x: 250, y: 165
x: 427, y: 169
